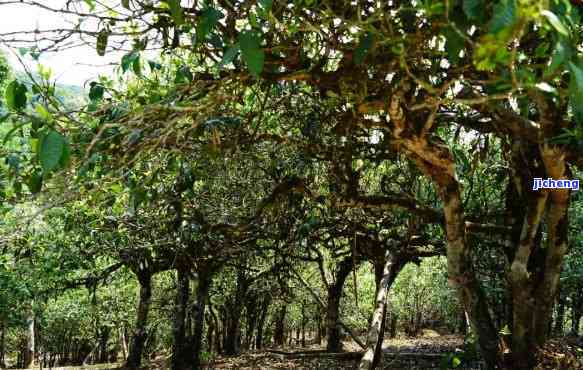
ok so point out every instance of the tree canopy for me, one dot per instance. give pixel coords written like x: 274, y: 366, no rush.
x: 268, y: 163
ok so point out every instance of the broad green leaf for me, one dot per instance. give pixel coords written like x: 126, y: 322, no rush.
x: 505, y: 16
x: 455, y: 362
x: 266, y: 4
x: 576, y: 92
x: 474, y: 9
x: 137, y: 66
x: 66, y: 154
x: 208, y: 20
x: 251, y: 52
x: 102, y: 39
x: 51, y: 150
x: 229, y: 55
x: 561, y: 54
x: 363, y: 47
x: 556, y: 23
x: 176, y: 11
x: 129, y: 60
x: 96, y: 91
x: 15, y: 95
x: 454, y: 43
x: 42, y: 112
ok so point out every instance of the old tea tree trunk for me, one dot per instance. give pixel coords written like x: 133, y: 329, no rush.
x: 139, y: 335
x: 537, y: 263
x: 437, y: 163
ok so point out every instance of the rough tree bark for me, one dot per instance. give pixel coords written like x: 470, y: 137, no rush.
x: 262, y: 318
x: 437, y: 163
x: 103, y: 339
x: 333, y: 326
x: 535, y: 268
x: 252, y: 312
x: 180, y: 350
x: 279, y: 332
x: 204, y: 282
x: 232, y: 341
x: 322, y: 305
x: 140, y: 335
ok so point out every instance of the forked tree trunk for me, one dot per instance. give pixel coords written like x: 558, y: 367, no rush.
x: 140, y: 333
x: 180, y: 350
x: 376, y: 332
x: 437, y: 163
x: 535, y: 269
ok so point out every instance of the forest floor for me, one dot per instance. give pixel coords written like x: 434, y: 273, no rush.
x: 428, y: 348
x: 421, y: 353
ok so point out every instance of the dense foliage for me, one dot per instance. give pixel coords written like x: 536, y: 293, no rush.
x: 269, y: 172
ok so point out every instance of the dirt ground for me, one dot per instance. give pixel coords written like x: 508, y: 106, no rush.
x: 427, y: 344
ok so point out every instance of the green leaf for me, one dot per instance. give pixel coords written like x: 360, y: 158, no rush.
x: 96, y: 91
x: 102, y: 39
x: 454, y: 43
x: 137, y: 66
x: 126, y: 4
x: 208, y: 20
x: 505, y: 16
x: 266, y: 4
x: 183, y: 74
x: 251, y: 52
x: 576, y: 92
x: 455, y: 362
x: 51, y: 150
x: 137, y: 197
x: 556, y: 23
x: 35, y: 182
x: 66, y: 154
x: 90, y: 4
x: 176, y: 11
x: 154, y: 66
x: 229, y: 55
x: 129, y: 60
x: 363, y: 47
x: 561, y: 54
x: 15, y: 95
x: 474, y: 9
